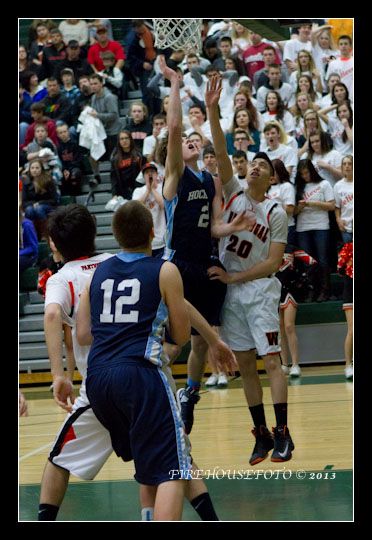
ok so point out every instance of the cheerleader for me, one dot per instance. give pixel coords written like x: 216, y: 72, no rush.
x: 295, y: 275
x: 345, y: 268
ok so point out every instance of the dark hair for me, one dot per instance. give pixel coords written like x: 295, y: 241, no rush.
x: 312, y: 91
x: 324, y: 142
x: 334, y: 101
x: 239, y: 66
x: 239, y: 131
x: 25, y: 78
x: 239, y: 154
x: 263, y: 155
x: 300, y: 182
x: 52, y: 79
x: 280, y: 108
x: 209, y: 150
x: 132, y: 224
x: 200, y: 107
x: 280, y: 170
x: 38, y: 107
x: 345, y: 36
x: 118, y: 153
x: 96, y: 76
x: 137, y: 22
x: 351, y: 121
x: 254, y: 121
x: 73, y: 230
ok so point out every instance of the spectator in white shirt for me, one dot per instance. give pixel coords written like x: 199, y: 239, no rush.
x: 340, y: 126
x: 293, y: 46
x: 326, y: 161
x: 284, y: 89
x: 344, y: 65
x: 278, y: 150
x: 344, y: 200
x: 276, y: 110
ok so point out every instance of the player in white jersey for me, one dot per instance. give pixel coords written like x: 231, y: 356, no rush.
x: 250, y: 318
x: 83, y: 445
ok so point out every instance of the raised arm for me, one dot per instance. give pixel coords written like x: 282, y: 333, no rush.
x: 212, y: 96
x: 174, y: 165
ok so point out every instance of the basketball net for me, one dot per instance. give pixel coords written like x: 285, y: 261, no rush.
x: 178, y: 34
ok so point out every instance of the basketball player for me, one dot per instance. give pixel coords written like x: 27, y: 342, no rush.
x: 126, y: 306
x: 190, y: 201
x: 83, y: 445
x: 249, y: 318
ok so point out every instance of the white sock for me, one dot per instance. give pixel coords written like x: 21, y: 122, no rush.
x: 147, y: 514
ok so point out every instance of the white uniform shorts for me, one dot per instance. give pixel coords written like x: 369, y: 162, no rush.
x: 82, y: 445
x: 250, y: 316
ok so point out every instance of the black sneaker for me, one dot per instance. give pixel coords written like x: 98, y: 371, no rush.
x: 283, y: 444
x: 264, y: 443
x: 93, y: 182
x: 186, y: 399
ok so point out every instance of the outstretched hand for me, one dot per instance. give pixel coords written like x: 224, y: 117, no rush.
x: 223, y: 357
x: 167, y: 72
x: 63, y: 391
x: 214, y: 88
x: 243, y: 221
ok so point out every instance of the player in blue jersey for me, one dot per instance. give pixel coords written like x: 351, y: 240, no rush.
x: 191, y: 201
x: 125, y: 307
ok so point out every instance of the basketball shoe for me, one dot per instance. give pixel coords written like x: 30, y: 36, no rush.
x: 187, y: 399
x: 264, y: 443
x: 283, y: 444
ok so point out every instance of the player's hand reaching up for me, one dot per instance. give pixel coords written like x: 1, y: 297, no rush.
x: 168, y: 73
x: 214, y: 88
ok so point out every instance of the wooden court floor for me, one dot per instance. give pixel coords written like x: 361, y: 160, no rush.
x: 316, y: 485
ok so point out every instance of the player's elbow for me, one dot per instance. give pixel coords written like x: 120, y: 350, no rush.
x: 181, y: 333
x: 83, y: 335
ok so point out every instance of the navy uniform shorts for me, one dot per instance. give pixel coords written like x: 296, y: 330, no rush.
x: 134, y: 402
x: 205, y: 295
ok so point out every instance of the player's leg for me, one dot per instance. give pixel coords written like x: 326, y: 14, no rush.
x: 81, y: 448
x: 348, y: 346
x: 283, y: 444
x: 53, y: 488
x: 285, y: 348
x: 188, y: 397
x: 196, y: 493
x: 247, y: 363
x: 147, y: 500
x: 169, y: 501
x: 290, y: 313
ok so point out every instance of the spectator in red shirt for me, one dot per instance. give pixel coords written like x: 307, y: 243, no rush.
x: 253, y: 57
x: 38, y: 114
x: 104, y: 44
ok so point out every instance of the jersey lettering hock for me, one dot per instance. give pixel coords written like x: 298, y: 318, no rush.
x: 188, y: 230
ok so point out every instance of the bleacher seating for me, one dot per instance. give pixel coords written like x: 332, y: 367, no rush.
x: 321, y: 327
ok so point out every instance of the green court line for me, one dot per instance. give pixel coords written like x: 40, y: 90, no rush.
x: 320, y: 496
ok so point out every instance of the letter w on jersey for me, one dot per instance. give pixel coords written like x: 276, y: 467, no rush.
x: 272, y: 338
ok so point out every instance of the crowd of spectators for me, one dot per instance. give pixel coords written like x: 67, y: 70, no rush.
x: 292, y: 99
